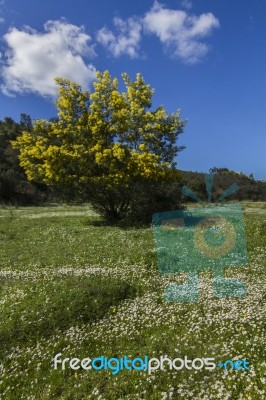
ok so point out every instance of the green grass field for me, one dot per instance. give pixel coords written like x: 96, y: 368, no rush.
x: 72, y: 284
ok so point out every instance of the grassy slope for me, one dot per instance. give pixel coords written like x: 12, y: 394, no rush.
x: 57, y: 261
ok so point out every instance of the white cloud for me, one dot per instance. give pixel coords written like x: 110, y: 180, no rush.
x: 34, y: 59
x: 180, y: 32
x: 127, y: 39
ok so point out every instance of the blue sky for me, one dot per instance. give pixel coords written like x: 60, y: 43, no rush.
x: 206, y: 57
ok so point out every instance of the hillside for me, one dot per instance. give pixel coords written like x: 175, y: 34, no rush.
x: 249, y: 188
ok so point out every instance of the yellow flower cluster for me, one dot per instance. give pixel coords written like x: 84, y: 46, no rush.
x: 105, y: 136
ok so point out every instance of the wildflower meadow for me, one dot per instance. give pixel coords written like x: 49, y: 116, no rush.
x: 73, y: 284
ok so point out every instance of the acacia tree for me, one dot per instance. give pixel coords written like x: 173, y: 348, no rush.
x: 108, y: 144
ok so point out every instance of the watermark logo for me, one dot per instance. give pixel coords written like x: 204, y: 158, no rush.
x: 150, y: 365
x: 238, y: 365
x: 207, y: 237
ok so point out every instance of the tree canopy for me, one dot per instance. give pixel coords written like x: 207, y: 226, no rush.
x: 108, y: 143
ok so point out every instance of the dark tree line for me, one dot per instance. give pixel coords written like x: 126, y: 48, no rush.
x: 16, y: 189
x: 14, y: 186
